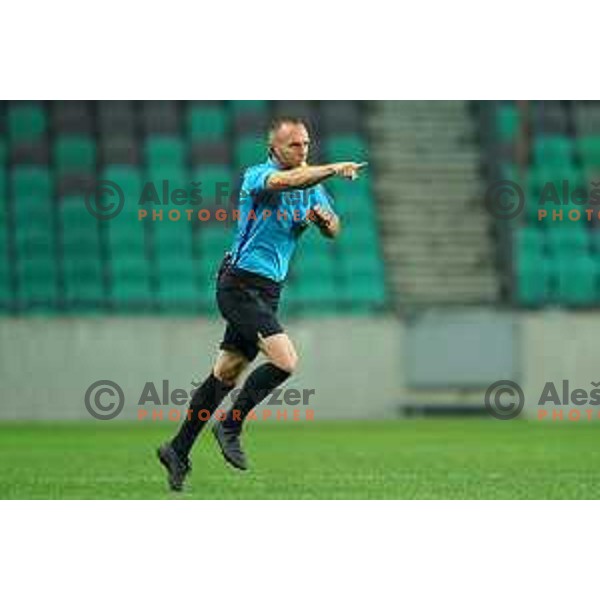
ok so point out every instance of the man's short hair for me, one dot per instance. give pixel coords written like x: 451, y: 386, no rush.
x: 277, y: 122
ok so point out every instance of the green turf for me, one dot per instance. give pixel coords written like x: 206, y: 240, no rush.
x: 395, y: 459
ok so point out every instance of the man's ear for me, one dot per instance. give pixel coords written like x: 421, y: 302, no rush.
x: 273, y: 154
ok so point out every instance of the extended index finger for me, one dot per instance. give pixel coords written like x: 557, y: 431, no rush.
x: 361, y: 165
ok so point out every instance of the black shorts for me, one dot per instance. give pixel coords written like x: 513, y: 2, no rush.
x: 249, y: 303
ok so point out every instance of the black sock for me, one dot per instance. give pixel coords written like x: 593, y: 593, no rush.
x: 207, y: 397
x: 260, y: 383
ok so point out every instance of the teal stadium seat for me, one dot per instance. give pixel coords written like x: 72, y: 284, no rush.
x: 3, y: 193
x: 31, y: 182
x: 37, y: 282
x: 131, y: 283
x: 345, y: 148
x: 249, y: 151
x: 178, y: 286
x: 5, y: 272
x: 553, y: 151
x: 533, y: 279
x: 164, y: 151
x: 81, y: 255
x: 26, y: 122
x: 211, y: 177
x: 75, y: 153
x: 529, y: 241
x: 507, y: 123
x: 565, y: 241
x: 240, y: 106
x: 207, y: 123
x: 576, y: 278
x: 589, y: 150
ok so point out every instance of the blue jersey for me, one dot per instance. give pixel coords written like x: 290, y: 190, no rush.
x: 270, y: 222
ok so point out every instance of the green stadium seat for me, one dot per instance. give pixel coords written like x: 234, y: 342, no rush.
x: 177, y: 177
x: 164, y: 151
x: 533, y: 280
x: 207, y: 123
x: 31, y: 182
x: 320, y: 264
x: 34, y: 238
x: 130, y: 283
x: 589, y: 150
x: 546, y: 188
x: 564, y: 241
x: 576, y: 278
x: 357, y: 237
x: 167, y: 229
x: 177, y: 283
x: 209, y: 236
x: 37, y: 281
x: 595, y: 242
x: 249, y: 150
x: 178, y: 192
x: 507, y: 123
x: 346, y: 191
x: 3, y: 187
x: 30, y: 210
x: 5, y: 277
x: 83, y: 280
x: 75, y: 153
x: 80, y: 232
x: 362, y: 292
x: 553, y: 151
x: 357, y: 208
x: 316, y: 292
x: 129, y: 180
x: 3, y: 153
x: 215, y: 181
x: 345, y: 148
x: 178, y: 294
x: 366, y: 264
x: 541, y: 175
x: 248, y: 105
x: 26, y: 122
x: 529, y: 241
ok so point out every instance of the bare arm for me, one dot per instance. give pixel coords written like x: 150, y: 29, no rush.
x: 307, y: 176
x: 328, y: 222
x: 332, y: 228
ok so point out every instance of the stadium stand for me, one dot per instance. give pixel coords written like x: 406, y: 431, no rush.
x: 550, y: 149
x: 58, y: 258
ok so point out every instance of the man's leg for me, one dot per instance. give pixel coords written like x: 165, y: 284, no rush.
x: 174, y: 456
x: 222, y: 379
x: 259, y: 384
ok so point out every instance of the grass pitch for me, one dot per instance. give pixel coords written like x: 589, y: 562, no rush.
x: 414, y: 459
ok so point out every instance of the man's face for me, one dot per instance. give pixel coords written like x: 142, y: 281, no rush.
x: 291, y: 144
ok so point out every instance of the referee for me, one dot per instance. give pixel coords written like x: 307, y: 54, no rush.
x: 278, y: 200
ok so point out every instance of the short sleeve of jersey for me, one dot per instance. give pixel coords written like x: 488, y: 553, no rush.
x: 255, y: 179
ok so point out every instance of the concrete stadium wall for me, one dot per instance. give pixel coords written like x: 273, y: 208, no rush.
x: 46, y: 365
x: 557, y: 346
x: 359, y: 368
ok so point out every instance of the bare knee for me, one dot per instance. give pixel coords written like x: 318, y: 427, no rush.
x: 288, y: 362
x: 280, y: 350
x: 229, y: 366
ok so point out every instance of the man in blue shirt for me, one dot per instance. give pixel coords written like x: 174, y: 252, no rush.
x: 279, y: 199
